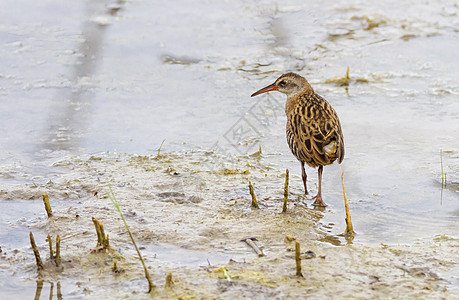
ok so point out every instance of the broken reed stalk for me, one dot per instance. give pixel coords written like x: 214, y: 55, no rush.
x: 97, y: 226
x: 36, y: 253
x: 106, y: 243
x: 251, y: 243
x: 284, y: 208
x: 110, y: 194
x: 50, y: 242
x: 58, y: 251
x: 169, y: 281
x: 102, y: 240
x: 47, y: 205
x: 115, y: 266
x: 349, y: 232
x: 254, y: 198
x: 298, y: 259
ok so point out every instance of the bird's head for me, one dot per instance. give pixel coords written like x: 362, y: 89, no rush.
x: 290, y: 84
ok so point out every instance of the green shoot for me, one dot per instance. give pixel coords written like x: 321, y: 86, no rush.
x: 159, y: 150
x: 443, y: 175
x: 110, y: 194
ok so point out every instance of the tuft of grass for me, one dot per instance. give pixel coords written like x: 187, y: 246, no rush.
x: 151, y: 286
x: 341, y: 81
x: 256, y: 154
x: 345, y: 81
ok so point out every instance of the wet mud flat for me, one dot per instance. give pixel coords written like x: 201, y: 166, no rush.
x: 190, y: 218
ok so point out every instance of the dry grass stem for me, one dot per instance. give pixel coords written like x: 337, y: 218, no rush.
x: 349, y: 232
x: 254, y: 198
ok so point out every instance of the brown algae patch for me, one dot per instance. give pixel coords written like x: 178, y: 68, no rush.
x: 190, y: 222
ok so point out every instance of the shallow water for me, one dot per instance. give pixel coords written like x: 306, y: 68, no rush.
x: 124, y: 76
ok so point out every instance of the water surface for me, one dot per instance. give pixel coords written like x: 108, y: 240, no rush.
x: 90, y: 77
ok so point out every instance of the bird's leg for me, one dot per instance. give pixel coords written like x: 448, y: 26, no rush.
x: 318, y: 197
x: 305, y: 177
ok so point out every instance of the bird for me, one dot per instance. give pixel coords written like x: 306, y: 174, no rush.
x: 314, y: 132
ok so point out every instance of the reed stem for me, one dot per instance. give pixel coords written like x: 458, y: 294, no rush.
x: 36, y: 253
x: 47, y: 205
x: 298, y: 259
x: 284, y: 208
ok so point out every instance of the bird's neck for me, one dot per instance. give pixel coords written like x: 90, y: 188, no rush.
x: 293, y: 100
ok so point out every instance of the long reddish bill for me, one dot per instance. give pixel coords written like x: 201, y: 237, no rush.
x: 269, y: 88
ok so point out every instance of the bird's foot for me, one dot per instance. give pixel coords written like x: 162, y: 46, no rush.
x: 319, y: 202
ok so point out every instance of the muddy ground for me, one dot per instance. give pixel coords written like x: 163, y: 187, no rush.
x: 190, y: 221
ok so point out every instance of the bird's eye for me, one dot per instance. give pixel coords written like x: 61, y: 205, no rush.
x: 283, y: 83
